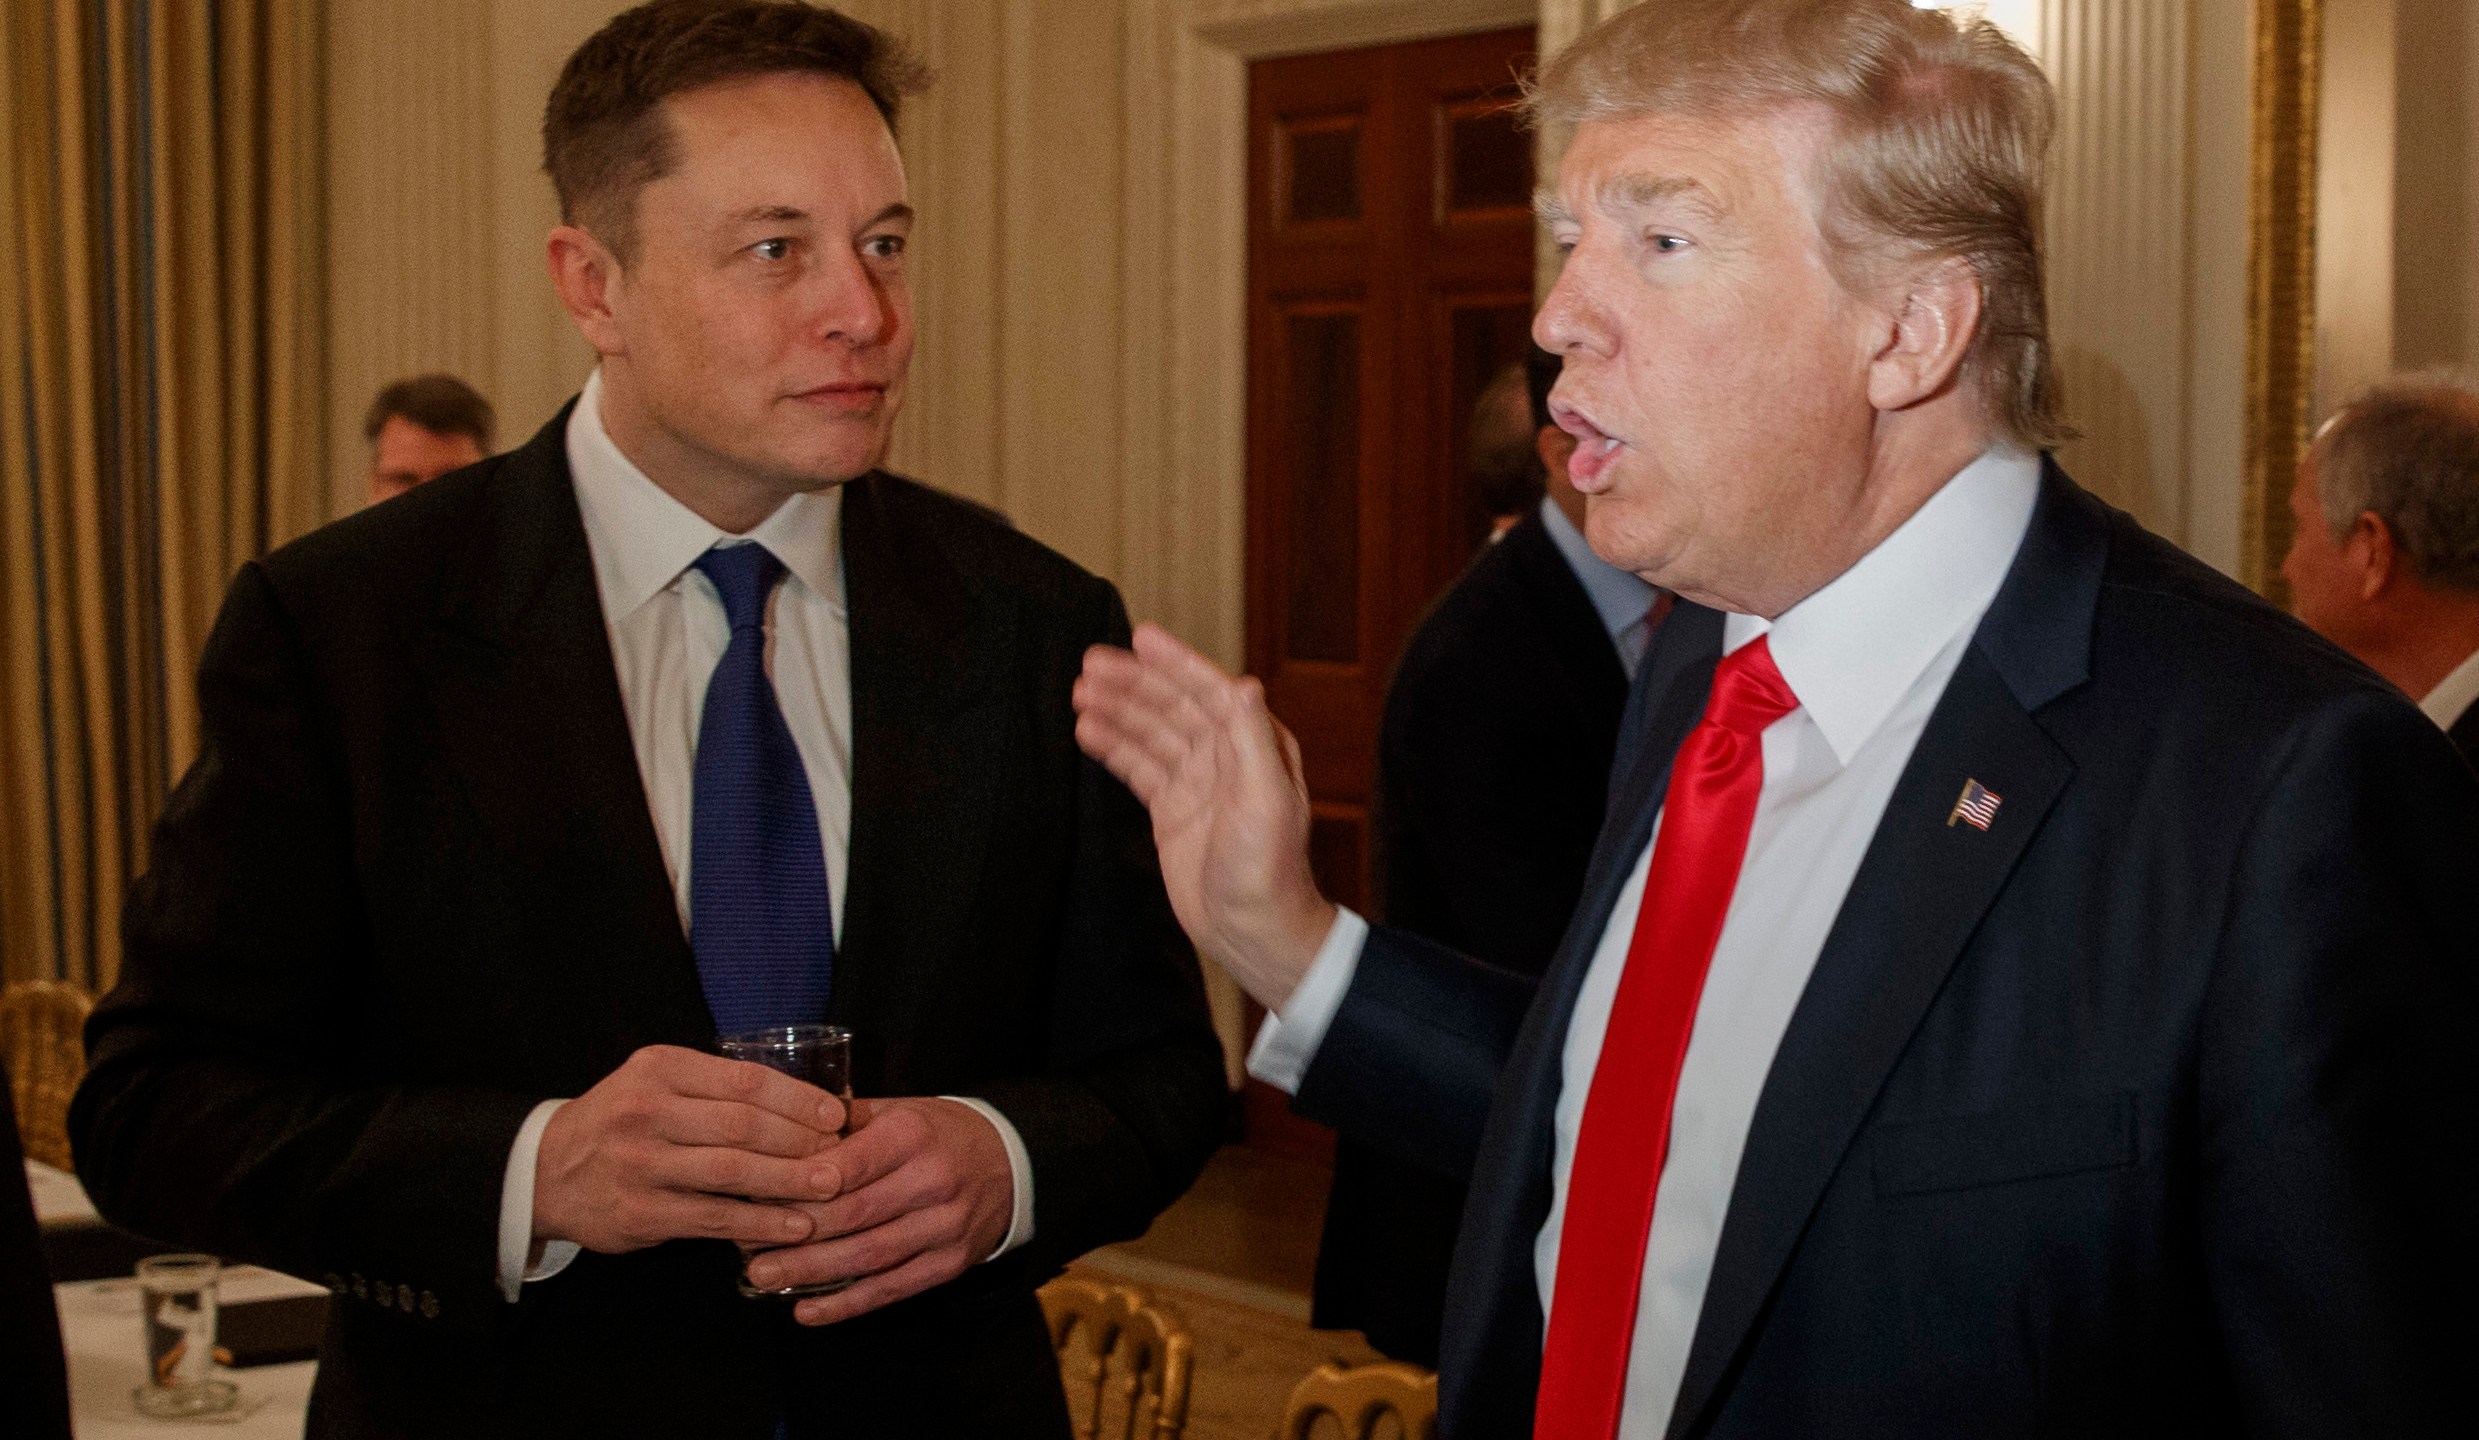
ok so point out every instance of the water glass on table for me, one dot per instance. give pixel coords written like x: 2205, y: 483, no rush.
x: 178, y: 1311
x: 820, y: 1055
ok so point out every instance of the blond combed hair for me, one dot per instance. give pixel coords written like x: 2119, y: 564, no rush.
x: 1941, y: 133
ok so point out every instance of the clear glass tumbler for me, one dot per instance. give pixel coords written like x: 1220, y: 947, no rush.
x: 179, y: 1318
x: 821, y: 1055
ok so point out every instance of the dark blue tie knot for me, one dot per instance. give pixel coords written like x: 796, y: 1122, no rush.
x: 744, y: 575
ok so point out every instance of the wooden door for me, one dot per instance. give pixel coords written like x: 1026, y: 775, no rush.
x: 1389, y: 276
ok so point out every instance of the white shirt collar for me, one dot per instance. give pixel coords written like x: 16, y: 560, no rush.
x: 2453, y: 694
x: 1620, y: 597
x: 1854, y: 648
x: 642, y: 538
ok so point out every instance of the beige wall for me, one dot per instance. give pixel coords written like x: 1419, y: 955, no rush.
x: 437, y: 208
x: 2436, y: 185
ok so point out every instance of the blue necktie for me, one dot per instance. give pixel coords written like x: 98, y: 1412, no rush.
x: 759, y: 919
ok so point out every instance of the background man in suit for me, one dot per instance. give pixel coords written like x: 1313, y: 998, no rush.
x: 1504, y: 462
x: 2025, y: 984
x: 422, y: 427
x: 2384, y: 553
x: 1493, y: 769
x: 681, y: 717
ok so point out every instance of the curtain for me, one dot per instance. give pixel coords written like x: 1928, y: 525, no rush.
x: 160, y: 412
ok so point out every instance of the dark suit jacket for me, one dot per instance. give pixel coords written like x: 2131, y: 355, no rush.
x: 2147, y: 1111
x: 34, y: 1378
x: 411, y: 887
x: 1493, y: 771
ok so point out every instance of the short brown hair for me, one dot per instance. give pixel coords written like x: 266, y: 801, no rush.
x: 1942, y: 132
x: 441, y: 404
x: 603, y: 134
x: 2407, y: 452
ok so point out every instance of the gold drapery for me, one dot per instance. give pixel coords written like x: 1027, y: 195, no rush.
x: 160, y: 399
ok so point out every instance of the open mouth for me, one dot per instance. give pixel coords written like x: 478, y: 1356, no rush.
x: 1595, y: 448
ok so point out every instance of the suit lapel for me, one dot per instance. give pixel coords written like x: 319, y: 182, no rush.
x: 927, y: 655
x: 1926, y: 881
x: 521, y: 680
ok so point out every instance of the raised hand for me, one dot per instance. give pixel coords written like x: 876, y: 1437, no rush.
x: 1221, y: 777
x: 667, y: 1146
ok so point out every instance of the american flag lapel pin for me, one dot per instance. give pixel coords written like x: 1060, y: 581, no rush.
x: 1978, y: 806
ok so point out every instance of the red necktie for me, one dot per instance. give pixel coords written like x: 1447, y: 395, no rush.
x: 1625, y: 1134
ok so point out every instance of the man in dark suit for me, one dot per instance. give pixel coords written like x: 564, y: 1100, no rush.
x: 682, y: 717
x: 1493, y: 767
x: 34, y: 1378
x: 2025, y: 984
x: 2384, y: 549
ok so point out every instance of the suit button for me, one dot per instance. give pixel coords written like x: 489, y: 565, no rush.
x: 404, y: 1298
x: 361, y: 1287
x: 335, y: 1283
x: 430, y: 1306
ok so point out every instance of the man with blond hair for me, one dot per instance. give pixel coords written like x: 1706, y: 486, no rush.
x: 2384, y: 557
x: 2024, y: 985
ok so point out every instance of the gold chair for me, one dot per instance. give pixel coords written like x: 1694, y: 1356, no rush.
x: 1147, y: 1390
x: 1358, y: 1396
x: 42, y: 1025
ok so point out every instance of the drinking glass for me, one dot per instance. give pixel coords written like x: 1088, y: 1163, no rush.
x: 821, y: 1055
x: 179, y: 1319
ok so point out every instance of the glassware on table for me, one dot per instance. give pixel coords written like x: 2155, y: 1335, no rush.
x: 178, y: 1315
x: 822, y: 1056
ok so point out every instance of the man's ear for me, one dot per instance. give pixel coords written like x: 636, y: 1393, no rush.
x: 2370, y: 549
x: 1936, y: 315
x: 586, y: 276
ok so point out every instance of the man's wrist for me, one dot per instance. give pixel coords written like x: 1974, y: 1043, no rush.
x: 1270, y: 964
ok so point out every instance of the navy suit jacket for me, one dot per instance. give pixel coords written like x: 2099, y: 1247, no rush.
x: 2149, y: 1110
x: 1493, y: 774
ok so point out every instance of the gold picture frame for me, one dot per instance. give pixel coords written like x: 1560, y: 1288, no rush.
x: 2281, y: 228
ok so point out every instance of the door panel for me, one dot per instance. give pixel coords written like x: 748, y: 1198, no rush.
x: 1390, y: 275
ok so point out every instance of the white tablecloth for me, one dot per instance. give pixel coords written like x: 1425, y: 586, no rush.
x: 99, y: 1323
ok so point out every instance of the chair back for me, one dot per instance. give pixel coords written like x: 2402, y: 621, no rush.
x: 1133, y: 1368
x: 1359, y: 1396
x: 43, y: 1042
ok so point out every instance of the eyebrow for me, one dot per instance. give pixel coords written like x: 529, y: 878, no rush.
x: 1636, y: 191
x: 789, y: 214
x: 1639, y: 191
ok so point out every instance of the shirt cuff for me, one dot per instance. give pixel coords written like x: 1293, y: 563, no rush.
x: 1019, y: 1166
x: 516, y: 1211
x: 1287, y: 1042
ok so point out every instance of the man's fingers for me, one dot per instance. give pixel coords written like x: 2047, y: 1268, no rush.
x: 1120, y: 753
x: 719, y: 1170
x: 869, y: 1252
x: 711, y: 1077
x: 687, y: 1121
x: 659, y: 1215
x: 906, y: 1188
x: 890, y: 1135
x: 935, y: 1267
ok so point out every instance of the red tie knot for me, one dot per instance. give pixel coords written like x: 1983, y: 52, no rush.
x: 1749, y: 692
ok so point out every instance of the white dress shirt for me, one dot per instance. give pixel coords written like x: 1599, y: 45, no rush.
x: 1622, y: 598
x: 1868, y: 656
x: 2454, y: 694
x: 668, y: 631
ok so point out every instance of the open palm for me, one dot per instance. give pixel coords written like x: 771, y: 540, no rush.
x: 1221, y: 778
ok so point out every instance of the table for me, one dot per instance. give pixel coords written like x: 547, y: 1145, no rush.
x: 99, y: 1322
